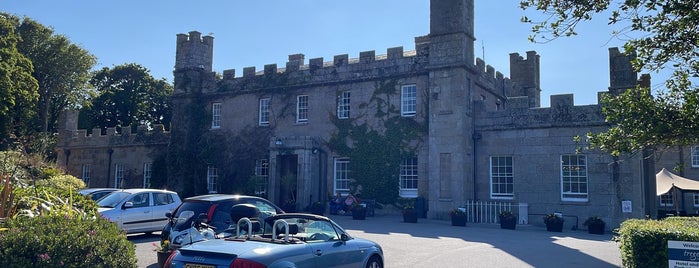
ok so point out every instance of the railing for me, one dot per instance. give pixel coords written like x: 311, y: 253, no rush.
x: 487, y: 211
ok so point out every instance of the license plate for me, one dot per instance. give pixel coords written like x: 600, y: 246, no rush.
x: 189, y: 265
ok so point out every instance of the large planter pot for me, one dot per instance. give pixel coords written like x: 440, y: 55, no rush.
x: 597, y: 228
x: 317, y: 209
x: 458, y: 220
x: 508, y: 222
x: 555, y: 226
x: 359, y: 214
x: 410, y: 216
x: 162, y: 257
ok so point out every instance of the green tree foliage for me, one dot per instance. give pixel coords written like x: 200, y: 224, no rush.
x: 663, y: 34
x: 18, y: 89
x: 127, y: 95
x: 61, y: 68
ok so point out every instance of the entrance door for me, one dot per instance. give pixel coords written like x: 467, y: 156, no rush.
x: 288, y: 174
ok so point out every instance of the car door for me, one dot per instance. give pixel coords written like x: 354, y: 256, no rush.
x: 139, y: 217
x: 332, y: 251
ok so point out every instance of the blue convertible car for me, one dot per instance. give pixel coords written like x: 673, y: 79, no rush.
x: 284, y: 240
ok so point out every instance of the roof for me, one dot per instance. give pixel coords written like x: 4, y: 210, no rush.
x: 665, y: 180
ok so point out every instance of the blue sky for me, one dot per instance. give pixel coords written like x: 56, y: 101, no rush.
x: 260, y: 32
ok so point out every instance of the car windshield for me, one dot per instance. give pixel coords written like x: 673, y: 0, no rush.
x: 112, y: 200
x: 219, y: 217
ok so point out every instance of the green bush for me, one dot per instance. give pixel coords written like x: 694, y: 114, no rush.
x: 53, y: 241
x: 643, y: 243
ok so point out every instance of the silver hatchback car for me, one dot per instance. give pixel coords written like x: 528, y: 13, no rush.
x: 139, y: 210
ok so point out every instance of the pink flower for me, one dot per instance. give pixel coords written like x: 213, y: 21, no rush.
x: 45, y: 257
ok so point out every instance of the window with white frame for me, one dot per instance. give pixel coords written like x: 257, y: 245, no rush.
x: 408, y: 177
x: 216, y: 115
x: 667, y: 200
x: 695, y: 156
x: 261, y: 177
x: 408, y: 100
x: 264, y: 112
x: 501, y: 177
x: 696, y: 200
x: 343, y: 105
x: 118, y: 175
x: 86, y: 174
x: 301, y: 108
x: 574, y: 178
x: 212, y: 179
x: 342, y: 173
x: 147, y: 173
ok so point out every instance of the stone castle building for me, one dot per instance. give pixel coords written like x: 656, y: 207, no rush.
x: 448, y: 127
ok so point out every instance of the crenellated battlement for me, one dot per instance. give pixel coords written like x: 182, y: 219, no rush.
x: 71, y: 136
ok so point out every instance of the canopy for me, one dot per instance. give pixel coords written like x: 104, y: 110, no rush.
x: 665, y: 180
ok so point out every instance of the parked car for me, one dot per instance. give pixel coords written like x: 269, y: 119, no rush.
x: 97, y: 193
x: 285, y: 240
x: 139, y: 210
x: 216, y: 208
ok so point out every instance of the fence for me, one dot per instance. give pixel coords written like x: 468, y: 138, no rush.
x: 487, y: 211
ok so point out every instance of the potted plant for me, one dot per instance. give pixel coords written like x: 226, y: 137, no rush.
x: 162, y: 251
x: 507, y: 220
x: 458, y: 217
x: 554, y: 222
x: 317, y: 208
x: 409, y: 214
x: 359, y: 212
x: 595, y: 225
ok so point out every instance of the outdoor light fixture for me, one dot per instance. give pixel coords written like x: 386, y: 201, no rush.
x: 278, y: 142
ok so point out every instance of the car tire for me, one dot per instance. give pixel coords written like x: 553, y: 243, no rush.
x: 374, y: 262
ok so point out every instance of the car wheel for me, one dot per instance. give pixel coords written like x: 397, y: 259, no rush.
x: 374, y: 262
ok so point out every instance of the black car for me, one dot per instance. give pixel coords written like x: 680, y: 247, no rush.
x: 216, y: 208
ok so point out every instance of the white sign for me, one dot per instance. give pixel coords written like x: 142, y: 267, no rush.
x: 626, y: 206
x: 683, y: 254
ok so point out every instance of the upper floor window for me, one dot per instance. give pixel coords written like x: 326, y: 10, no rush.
x: 301, y: 108
x: 147, y: 173
x: 264, y: 112
x: 408, y: 177
x: 343, y: 105
x: 212, y: 179
x: 408, y: 100
x: 216, y: 115
x: 695, y: 156
x: 573, y: 178
x: 501, y: 177
x: 342, y: 180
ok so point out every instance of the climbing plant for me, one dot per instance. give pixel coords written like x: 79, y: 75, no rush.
x: 377, y: 147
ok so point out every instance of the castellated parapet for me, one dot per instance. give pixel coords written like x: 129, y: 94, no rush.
x: 72, y: 137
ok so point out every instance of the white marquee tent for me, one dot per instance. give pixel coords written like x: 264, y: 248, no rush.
x: 666, y: 180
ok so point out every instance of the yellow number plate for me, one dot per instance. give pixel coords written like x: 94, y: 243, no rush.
x: 189, y: 265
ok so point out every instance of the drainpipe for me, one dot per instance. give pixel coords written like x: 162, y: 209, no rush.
x: 476, y: 137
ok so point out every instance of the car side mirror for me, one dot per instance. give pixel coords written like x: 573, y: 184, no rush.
x: 344, y: 237
x: 168, y: 214
x: 127, y: 205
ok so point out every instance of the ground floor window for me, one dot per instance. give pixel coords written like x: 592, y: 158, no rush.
x: 666, y: 200
x: 147, y: 173
x: 118, y: 175
x: 261, y: 177
x: 342, y: 179
x: 86, y: 173
x: 573, y: 178
x: 408, y: 178
x: 501, y: 177
x: 212, y: 179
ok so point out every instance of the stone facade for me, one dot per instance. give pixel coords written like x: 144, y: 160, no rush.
x: 472, y: 114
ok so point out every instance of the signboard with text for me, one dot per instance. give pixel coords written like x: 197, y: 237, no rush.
x: 683, y: 254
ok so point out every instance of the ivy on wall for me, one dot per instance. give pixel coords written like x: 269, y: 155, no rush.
x: 376, y: 150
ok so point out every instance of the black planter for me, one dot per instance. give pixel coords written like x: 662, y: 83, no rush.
x: 317, y: 209
x: 458, y: 220
x: 554, y: 226
x: 508, y: 222
x: 162, y: 257
x: 359, y: 214
x: 597, y: 228
x: 410, y: 215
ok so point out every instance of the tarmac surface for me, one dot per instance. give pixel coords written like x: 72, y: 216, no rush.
x: 435, y: 243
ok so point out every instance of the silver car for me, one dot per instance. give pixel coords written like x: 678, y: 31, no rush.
x: 139, y: 210
x: 283, y: 241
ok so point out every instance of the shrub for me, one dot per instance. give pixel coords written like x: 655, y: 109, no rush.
x: 53, y: 241
x: 643, y: 243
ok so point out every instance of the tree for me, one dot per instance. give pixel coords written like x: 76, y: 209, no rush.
x: 60, y: 67
x: 662, y: 34
x: 127, y: 95
x: 18, y: 89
